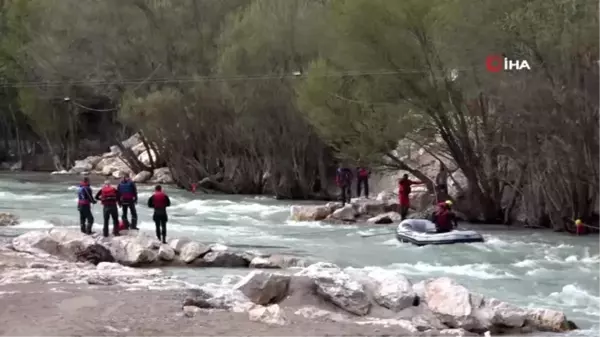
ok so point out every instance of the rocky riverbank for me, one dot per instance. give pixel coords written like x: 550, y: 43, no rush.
x: 113, y: 163
x: 76, y: 273
x: 382, y: 210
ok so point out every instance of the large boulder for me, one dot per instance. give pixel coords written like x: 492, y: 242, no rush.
x: 192, y: 251
x: 337, y: 287
x: 162, y: 176
x: 346, y: 213
x: 388, y: 288
x: 133, y: 250
x: 8, y: 219
x: 70, y: 242
x: 264, y: 288
x: 142, y: 177
x: 225, y: 259
x: 166, y: 253
x: 309, y: 212
x: 108, y: 166
x: 457, y: 307
x: 369, y: 206
x: 95, y: 254
x: 132, y: 141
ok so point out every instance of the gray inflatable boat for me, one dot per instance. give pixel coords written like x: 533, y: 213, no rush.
x: 422, y: 232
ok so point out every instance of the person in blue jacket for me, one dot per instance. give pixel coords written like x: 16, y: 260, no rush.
x: 128, y: 199
x: 85, y: 200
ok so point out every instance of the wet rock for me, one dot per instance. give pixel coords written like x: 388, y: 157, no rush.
x: 142, y: 177
x: 277, y: 262
x: 192, y: 251
x: 225, y: 259
x: 548, y: 320
x: 231, y: 280
x: 264, y: 288
x: 166, y: 253
x: 346, y: 213
x: 385, y: 218
x: 214, y: 296
x: 95, y: 254
x: 177, y: 244
x: 8, y: 219
x: 457, y: 332
x: 309, y: 213
x: 82, y: 166
x: 337, y: 287
x: 272, y: 315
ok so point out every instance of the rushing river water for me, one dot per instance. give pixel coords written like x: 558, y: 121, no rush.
x: 528, y: 268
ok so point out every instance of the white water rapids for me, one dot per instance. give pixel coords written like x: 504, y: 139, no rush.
x: 525, y: 267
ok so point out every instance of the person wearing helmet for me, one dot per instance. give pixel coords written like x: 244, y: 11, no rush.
x: 444, y: 218
x: 109, y: 196
x: 84, y: 200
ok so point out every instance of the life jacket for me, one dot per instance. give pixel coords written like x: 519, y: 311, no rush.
x: 159, y: 200
x: 127, y: 190
x: 108, y: 195
x: 404, y: 186
x: 363, y: 172
x: 343, y: 177
x: 83, y: 194
x: 442, y: 219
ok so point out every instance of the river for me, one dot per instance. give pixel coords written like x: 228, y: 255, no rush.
x: 525, y: 267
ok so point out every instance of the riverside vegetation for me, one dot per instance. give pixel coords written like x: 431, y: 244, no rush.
x: 267, y: 96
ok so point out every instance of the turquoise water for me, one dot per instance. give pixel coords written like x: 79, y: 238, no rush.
x: 525, y: 267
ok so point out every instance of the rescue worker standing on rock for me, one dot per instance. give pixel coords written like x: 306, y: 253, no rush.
x: 444, y: 218
x: 160, y: 201
x: 129, y: 196
x: 404, y: 189
x: 109, y: 196
x: 84, y: 200
x: 343, y: 179
x: 362, y: 179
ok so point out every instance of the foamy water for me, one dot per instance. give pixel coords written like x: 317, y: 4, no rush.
x: 528, y: 268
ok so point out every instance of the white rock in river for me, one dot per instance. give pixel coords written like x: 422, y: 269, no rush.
x: 272, y: 314
x: 346, y: 213
x: 392, y: 289
x: 162, y: 176
x: 142, y: 177
x: 309, y: 212
x: 177, y: 244
x: 192, y: 250
x: 166, y: 253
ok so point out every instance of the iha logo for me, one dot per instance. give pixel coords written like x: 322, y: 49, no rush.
x: 497, y: 63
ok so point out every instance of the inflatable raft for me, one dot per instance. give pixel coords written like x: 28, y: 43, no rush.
x: 422, y: 232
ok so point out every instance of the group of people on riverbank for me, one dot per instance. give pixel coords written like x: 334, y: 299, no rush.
x: 125, y: 196
x: 443, y: 216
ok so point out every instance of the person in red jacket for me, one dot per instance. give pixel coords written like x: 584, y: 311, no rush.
x: 404, y: 188
x: 362, y: 179
x: 444, y: 218
x: 109, y: 196
x: 160, y: 201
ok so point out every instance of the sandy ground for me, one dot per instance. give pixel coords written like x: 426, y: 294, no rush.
x: 69, y: 310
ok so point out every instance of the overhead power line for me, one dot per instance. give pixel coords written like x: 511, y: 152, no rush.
x: 199, y: 79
